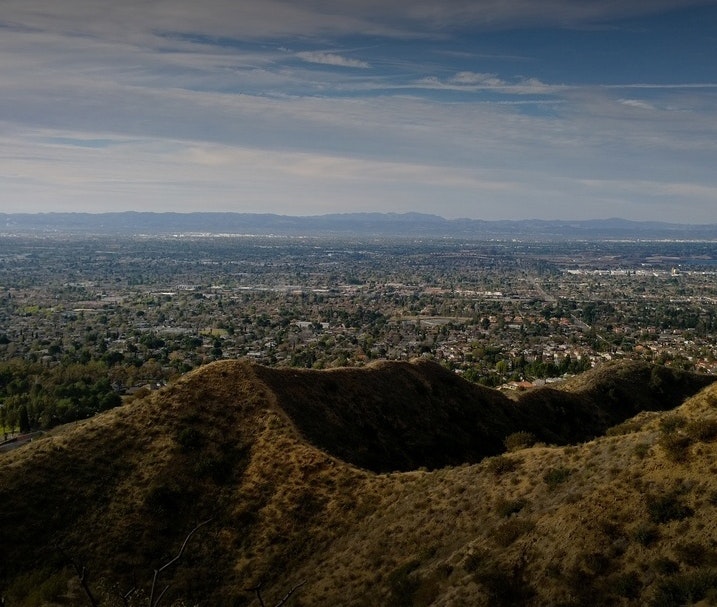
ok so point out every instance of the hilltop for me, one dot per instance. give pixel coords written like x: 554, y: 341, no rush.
x: 384, y: 485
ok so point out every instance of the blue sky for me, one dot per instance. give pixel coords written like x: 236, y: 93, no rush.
x: 488, y: 109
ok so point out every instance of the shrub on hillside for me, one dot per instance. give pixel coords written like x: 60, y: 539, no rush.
x: 403, y: 584
x: 190, y: 439
x: 506, y: 508
x: 505, y: 534
x: 519, y: 440
x: 695, y: 554
x: 627, y: 585
x: 668, y: 507
x: 501, y: 464
x: 506, y: 587
x: 555, y: 477
x: 672, y: 423
x: 646, y: 534
x: 641, y: 450
x: 676, y: 446
x: 37, y: 588
x: 665, y: 566
x: 215, y: 467
x: 685, y: 589
x: 702, y: 429
x: 475, y: 560
x: 626, y: 427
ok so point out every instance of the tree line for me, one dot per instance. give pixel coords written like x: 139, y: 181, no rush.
x: 35, y: 396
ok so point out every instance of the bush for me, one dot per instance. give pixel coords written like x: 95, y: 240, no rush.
x: 190, y: 439
x: 474, y: 561
x: 702, y: 429
x: 646, y: 534
x: 665, y: 566
x: 694, y: 554
x: 428, y: 589
x: 555, y: 477
x: 505, y: 587
x: 611, y: 529
x: 665, y: 508
x: 626, y: 427
x: 676, y: 446
x: 38, y: 588
x: 507, y: 507
x: 641, y: 450
x: 216, y: 468
x: 627, y: 585
x: 672, y: 423
x: 596, y: 562
x: 501, y: 464
x: 519, y: 440
x: 163, y: 499
x: 684, y: 588
x: 511, y: 530
x: 403, y: 584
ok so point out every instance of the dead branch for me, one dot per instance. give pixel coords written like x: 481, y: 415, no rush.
x: 154, y: 602
x: 288, y: 594
x: 82, y: 576
x: 257, y: 590
x: 126, y: 596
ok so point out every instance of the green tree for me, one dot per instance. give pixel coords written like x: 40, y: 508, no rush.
x: 24, y: 420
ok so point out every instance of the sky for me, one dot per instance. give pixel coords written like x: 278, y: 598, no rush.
x: 484, y: 109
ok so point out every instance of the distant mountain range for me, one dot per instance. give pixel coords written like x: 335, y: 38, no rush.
x: 349, y: 224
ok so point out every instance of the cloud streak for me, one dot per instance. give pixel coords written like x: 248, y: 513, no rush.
x: 324, y: 58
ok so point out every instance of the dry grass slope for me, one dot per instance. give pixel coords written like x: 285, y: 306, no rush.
x: 372, y: 486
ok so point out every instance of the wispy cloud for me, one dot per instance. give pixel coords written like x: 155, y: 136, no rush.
x: 325, y: 58
x: 636, y: 103
x: 472, y: 81
x: 473, y: 78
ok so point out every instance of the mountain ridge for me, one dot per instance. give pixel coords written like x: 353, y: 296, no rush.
x: 345, y: 225
x: 231, y: 443
x: 345, y: 411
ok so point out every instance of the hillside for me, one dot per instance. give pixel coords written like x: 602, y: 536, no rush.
x: 373, y: 486
x: 405, y: 416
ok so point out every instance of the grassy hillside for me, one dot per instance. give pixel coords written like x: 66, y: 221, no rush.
x: 375, y: 486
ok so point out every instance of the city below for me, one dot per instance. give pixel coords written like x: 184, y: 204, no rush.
x: 133, y: 312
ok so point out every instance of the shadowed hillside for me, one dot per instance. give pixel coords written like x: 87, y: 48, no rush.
x: 404, y: 416
x: 282, y: 463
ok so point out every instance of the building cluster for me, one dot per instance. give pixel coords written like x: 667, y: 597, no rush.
x: 498, y: 313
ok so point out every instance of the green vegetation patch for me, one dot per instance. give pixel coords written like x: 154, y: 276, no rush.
x: 665, y: 508
x: 555, y: 477
x: 646, y: 534
x: 686, y: 589
x: 507, y: 533
x: 34, y: 396
x: 506, y: 508
x: 703, y: 429
x: 402, y: 584
x: 39, y: 587
x: 519, y: 440
x: 676, y: 446
x: 502, y: 464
